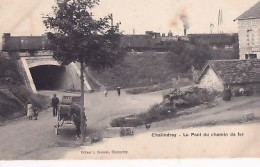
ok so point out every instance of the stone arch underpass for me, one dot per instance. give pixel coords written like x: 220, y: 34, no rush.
x: 48, y: 77
x: 45, y: 73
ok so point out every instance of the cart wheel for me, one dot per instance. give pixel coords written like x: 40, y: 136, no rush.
x: 57, y: 126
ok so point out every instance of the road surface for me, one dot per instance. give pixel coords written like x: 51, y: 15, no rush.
x: 21, y: 138
x: 30, y: 139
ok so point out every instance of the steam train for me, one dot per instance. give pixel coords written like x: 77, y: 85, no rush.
x: 128, y: 42
x: 149, y: 41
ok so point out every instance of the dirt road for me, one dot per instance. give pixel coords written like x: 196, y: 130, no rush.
x: 22, y: 138
x: 25, y: 139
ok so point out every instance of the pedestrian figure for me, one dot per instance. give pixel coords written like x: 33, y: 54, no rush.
x: 105, y: 93
x: 118, y: 90
x: 75, y: 113
x: 35, y: 112
x: 241, y: 91
x: 227, y: 93
x: 54, y: 102
x: 29, y: 110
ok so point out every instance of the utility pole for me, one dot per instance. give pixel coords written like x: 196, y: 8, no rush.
x: 112, y: 20
x: 220, y: 21
x: 82, y: 111
x: 211, y: 28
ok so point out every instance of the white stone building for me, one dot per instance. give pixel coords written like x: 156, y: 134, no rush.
x: 235, y: 73
x: 249, y: 33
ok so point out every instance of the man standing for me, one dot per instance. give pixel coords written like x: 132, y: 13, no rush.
x: 54, y: 102
x: 227, y: 93
x: 75, y: 113
x: 118, y: 90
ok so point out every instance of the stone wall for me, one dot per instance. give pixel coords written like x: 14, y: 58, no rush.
x: 249, y: 37
x: 22, y: 71
x: 211, y: 81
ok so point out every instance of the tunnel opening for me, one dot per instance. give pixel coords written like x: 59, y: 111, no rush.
x: 48, y: 77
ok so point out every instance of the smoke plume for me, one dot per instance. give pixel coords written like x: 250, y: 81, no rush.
x: 184, y: 18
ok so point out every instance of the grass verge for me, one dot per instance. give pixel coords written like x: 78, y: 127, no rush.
x: 139, y: 70
x: 169, y: 108
x: 10, y: 109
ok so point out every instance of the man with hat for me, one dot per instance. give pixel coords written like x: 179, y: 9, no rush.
x: 54, y: 102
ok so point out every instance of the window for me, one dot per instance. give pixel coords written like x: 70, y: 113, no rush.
x: 250, y: 56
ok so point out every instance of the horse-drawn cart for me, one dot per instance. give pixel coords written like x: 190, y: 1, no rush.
x: 64, y: 114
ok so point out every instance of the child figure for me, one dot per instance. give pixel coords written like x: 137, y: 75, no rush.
x: 35, y: 112
x: 118, y: 90
x: 29, y: 110
x: 106, y: 92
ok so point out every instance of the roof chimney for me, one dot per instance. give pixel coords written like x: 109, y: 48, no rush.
x: 169, y: 33
x: 4, y: 43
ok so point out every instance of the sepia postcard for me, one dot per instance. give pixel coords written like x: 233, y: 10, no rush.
x: 129, y: 79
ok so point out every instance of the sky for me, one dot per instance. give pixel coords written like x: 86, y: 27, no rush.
x: 24, y: 17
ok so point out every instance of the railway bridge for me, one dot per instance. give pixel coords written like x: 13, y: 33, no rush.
x: 38, y: 68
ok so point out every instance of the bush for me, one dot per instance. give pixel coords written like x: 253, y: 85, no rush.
x: 161, y: 110
x: 9, y: 70
x: 199, y: 96
x: 193, y: 100
x: 227, y: 94
x: 126, y: 132
x: 173, y: 102
x: 156, y: 113
x: 124, y: 122
x: 248, y: 92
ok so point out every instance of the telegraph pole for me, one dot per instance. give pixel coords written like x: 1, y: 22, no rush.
x: 112, y: 20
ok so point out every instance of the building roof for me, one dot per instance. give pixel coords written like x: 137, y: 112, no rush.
x: 252, y: 13
x: 235, y: 71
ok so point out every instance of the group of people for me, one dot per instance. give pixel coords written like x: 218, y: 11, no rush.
x: 118, y: 89
x: 32, y: 110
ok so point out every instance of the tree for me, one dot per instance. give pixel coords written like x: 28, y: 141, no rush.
x: 184, y: 54
x: 75, y: 36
